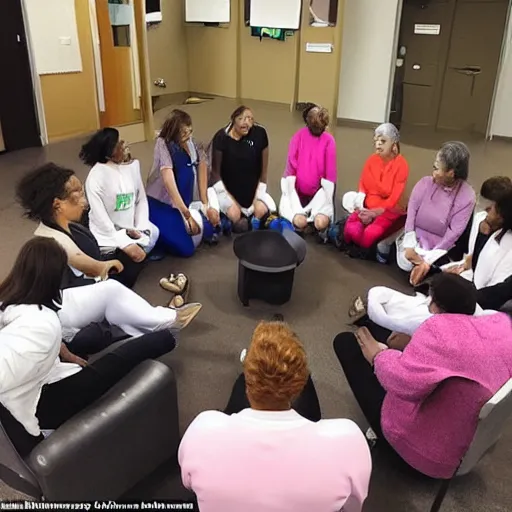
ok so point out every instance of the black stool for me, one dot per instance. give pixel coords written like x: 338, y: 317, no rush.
x: 266, y: 267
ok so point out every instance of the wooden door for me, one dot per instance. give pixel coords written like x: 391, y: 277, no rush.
x: 116, y: 65
x: 18, y: 117
x: 472, y: 66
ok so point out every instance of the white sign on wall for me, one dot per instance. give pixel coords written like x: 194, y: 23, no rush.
x: 427, y: 30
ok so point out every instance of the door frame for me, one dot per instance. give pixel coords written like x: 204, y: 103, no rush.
x: 396, y: 40
x: 503, y: 54
x: 36, y: 81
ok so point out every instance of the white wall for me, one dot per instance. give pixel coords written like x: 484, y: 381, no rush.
x: 370, y: 29
x: 501, y: 123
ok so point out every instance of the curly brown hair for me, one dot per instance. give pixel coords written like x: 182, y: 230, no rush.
x: 275, y: 368
x: 317, y: 119
x: 170, y: 131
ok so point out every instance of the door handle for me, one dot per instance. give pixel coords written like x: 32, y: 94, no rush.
x: 469, y: 70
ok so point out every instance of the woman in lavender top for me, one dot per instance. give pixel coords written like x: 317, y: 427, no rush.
x: 438, y: 212
x: 180, y: 204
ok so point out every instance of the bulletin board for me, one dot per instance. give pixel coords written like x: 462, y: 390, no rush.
x: 54, y: 36
x: 284, y: 14
x: 208, y: 11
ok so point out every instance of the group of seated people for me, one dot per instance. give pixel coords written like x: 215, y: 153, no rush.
x: 420, y: 367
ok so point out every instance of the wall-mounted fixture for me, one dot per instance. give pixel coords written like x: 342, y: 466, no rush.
x: 160, y: 82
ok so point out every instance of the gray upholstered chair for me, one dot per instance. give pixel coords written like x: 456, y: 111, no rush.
x: 106, y: 449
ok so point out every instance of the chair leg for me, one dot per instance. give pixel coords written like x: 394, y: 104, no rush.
x: 441, y: 494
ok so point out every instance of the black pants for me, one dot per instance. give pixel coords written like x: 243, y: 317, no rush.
x: 361, y: 378
x: 94, y: 338
x: 306, y: 405
x: 131, y: 271
x: 63, y: 399
x: 495, y: 297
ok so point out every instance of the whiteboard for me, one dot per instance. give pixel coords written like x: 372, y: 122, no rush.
x: 207, y: 11
x: 54, y: 36
x: 276, y: 13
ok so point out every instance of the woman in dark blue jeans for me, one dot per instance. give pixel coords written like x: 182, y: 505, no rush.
x: 180, y: 204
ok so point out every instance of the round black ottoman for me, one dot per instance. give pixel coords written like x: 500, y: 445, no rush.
x: 266, y: 266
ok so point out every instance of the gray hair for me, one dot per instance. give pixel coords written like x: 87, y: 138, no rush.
x: 388, y: 130
x: 455, y: 156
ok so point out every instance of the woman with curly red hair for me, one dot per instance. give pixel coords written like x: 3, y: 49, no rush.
x: 267, y: 456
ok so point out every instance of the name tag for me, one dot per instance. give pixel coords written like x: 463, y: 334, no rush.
x: 124, y: 201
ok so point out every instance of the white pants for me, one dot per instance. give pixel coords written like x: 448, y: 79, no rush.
x: 111, y: 301
x: 429, y: 256
x: 400, y: 312
x: 319, y: 205
x: 397, y: 311
x: 226, y: 202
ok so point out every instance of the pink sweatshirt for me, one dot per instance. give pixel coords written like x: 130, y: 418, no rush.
x: 261, y: 461
x: 437, y: 386
x: 311, y: 158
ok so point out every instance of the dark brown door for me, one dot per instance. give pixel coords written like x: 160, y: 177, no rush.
x: 472, y: 66
x: 425, y: 35
x: 17, y: 104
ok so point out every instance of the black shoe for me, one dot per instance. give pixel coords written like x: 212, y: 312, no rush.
x: 277, y: 318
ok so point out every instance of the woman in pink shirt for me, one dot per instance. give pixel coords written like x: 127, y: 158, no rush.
x: 269, y: 458
x: 424, y: 396
x: 310, y: 177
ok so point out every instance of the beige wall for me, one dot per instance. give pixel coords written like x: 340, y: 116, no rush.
x: 213, y: 57
x: 319, y: 72
x: 70, y: 99
x: 167, y: 47
x: 268, y: 69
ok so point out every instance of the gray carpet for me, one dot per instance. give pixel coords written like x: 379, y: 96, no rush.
x: 206, y: 361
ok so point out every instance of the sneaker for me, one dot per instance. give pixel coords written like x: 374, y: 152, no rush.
x: 242, y: 355
x: 185, y: 314
x: 156, y: 255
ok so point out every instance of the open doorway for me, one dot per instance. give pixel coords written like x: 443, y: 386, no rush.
x: 447, y: 64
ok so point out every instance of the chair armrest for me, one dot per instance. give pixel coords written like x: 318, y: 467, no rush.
x: 110, y: 446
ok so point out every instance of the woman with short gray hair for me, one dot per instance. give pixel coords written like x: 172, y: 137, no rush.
x: 438, y: 212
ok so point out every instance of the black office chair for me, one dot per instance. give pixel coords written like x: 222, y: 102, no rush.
x: 106, y: 449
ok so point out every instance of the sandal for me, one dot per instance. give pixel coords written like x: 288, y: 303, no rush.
x: 178, y: 284
x: 176, y: 302
x: 358, y: 308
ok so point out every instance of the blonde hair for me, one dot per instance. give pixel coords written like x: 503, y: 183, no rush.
x: 275, y: 368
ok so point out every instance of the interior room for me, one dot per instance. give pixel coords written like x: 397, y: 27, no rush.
x: 129, y: 63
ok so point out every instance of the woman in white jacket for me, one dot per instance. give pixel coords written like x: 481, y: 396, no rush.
x: 119, y: 213
x: 38, y: 392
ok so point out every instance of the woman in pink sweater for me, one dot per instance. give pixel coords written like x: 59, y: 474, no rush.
x: 425, y: 400
x: 309, y: 181
x: 269, y: 458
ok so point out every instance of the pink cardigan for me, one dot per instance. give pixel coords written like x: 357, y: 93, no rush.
x: 437, y: 386
x: 311, y: 158
x: 264, y: 461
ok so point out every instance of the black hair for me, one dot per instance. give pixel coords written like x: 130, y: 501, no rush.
x: 307, y: 109
x: 170, y: 131
x: 453, y: 294
x: 238, y: 112
x: 100, y: 147
x: 504, y: 209
x: 35, y: 278
x: 493, y: 188
x: 455, y: 156
x: 38, y: 189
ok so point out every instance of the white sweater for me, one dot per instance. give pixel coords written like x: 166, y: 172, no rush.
x: 118, y: 202
x: 30, y: 341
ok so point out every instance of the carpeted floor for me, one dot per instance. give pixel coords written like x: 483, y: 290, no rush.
x: 207, y: 361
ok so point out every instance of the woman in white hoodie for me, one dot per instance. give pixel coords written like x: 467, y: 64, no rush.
x: 37, y: 391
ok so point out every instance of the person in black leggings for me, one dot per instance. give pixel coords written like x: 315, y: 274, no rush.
x: 30, y: 337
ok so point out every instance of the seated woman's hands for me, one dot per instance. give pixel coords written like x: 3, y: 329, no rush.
x: 366, y: 216
x: 68, y: 357
x: 419, y: 272
x: 111, y: 267
x: 398, y: 340
x: 369, y: 345
x: 213, y: 216
x: 135, y: 252
x: 193, y: 227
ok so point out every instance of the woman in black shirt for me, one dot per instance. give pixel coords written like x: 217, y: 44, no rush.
x: 239, y: 169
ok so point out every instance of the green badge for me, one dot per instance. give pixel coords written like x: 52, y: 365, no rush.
x: 124, y: 202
